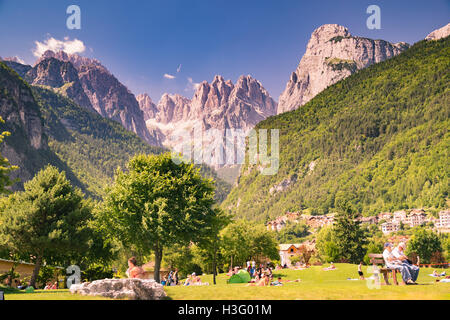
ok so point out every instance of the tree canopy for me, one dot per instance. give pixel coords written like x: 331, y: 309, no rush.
x: 48, y: 221
x: 157, y: 203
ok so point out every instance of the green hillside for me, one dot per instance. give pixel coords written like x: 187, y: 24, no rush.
x: 378, y: 138
x: 88, y: 147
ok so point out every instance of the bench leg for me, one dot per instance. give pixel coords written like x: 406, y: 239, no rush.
x: 386, y: 278
x: 394, y: 277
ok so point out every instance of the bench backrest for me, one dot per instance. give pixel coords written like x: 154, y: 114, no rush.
x: 376, y: 258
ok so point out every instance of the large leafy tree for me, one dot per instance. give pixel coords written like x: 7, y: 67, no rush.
x: 326, y: 245
x: 209, y: 246
x: 424, y: 243
x: 242, y: 241
x: 350, y: 238
x: 48, y: 221
x: 158, y: 203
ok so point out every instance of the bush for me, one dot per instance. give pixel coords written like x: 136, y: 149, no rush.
x: 295, y: 259
x: 47, y: 274
x: 96, y: 272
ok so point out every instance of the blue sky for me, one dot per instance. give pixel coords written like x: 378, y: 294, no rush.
x: 140, y: 41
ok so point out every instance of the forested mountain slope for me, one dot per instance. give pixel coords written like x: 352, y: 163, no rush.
x: 378, y: 138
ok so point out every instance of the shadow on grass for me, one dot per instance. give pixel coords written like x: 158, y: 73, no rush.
x: 9, y: 290
x: 281, y: 275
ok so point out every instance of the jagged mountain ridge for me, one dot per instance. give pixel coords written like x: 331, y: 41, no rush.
x: 219, y: 105
x: 92, y: 86
x: 332, y: 54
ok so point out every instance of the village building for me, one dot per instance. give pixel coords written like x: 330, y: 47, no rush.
x: 385, y: 216
x: 289, y: 250
x: 388, y: 227
x: 399, y: 216
x: 443, y: 223
x: 416, y: 218
x: 149, y: 270
x: 369, y: 220
x: 24, y: 269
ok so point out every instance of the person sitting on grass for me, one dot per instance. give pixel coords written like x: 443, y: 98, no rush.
x: 134, y: 271
x: 331, y: 267
x: 360, y: 272
x: 188, y: 281
x: 264, y: 281
x: 392, y: 262
x: 196, y: 281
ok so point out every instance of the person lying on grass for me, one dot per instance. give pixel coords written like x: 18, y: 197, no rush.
x: 331, y: 267
x: 279, y: 282
x: 446, y: 279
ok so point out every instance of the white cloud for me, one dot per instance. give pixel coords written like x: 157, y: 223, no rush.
x: 191, y: 86
x: 169, y: 76
x: 66, y: 45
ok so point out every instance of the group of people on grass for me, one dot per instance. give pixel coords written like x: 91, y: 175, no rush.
x: 395, y: 258
x: 194, y: 280
x: 171, y: 279
x: 261, y: 275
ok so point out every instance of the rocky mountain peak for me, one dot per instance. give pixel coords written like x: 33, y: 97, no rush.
x: 173, y: 108
x: 77, y: 60
x: 439, y: 33
x: 60, y: 75
x: 332, y: 54
x: 147, y: 106
x: 217, y: 105
x: 328, y: 31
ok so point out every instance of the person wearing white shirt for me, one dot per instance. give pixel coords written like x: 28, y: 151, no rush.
x: 393, y: 263
x: 399, y: 253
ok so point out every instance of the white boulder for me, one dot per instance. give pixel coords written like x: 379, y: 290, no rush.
x: 132, y: 289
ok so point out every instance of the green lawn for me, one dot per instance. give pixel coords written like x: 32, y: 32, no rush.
x: 48, y: 295
x: 315, y: 284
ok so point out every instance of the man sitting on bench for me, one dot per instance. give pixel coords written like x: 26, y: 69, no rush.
x: 398, y: 252
x: 393, y: 263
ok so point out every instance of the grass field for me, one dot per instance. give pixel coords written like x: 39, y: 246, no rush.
x: 315, y: 284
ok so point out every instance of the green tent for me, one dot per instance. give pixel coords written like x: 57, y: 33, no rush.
x: 241, y: 277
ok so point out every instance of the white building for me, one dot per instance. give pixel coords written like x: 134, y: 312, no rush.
x: 415, y: 219
x: 444, y: 220
x: 399, y: 216
x: 389, y: 227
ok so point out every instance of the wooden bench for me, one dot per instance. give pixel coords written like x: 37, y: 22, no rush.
x: 376, y: 260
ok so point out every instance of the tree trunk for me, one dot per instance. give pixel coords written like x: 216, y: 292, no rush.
x: 214, y: 264
x: 35, y: 274
x: 158, y: 258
